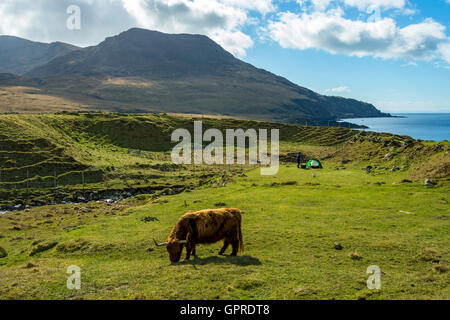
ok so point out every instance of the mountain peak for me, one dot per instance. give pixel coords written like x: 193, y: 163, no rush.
x: 141, y: 52
x: 19, y: 55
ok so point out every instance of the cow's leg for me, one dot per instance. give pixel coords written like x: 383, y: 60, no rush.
x: 194, y: 251
x: 226, y: 243
x: 188, y: 251
x: 235, y: 245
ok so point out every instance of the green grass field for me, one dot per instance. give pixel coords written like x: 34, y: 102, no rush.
x: 290, y: 223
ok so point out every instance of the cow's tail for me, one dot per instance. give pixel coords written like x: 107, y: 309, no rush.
x: 241, y: 240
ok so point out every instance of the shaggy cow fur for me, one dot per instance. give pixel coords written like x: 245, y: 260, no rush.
x: 205, y: 227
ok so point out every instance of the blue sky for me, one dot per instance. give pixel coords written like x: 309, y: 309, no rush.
x: 392, y: 53
x: 393, y: 84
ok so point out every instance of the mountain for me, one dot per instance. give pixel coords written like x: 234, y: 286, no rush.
x: 140, y: 52
x: 147, y: 71
x: 9, y: 79
x: 19, y: 56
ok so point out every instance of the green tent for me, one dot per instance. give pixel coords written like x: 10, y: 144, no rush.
x: 314, y: 164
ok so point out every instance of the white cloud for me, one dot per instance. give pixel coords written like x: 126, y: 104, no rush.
x: 409, y: 64
x: 45, y: 20
x: 444, y: 49
x: 334, y: 33
x: 220, y: 20
x: 366, y: 4
x: 362, y: 5
x: 262, y: 6
x: 338, y: 89
x: 235, y: 42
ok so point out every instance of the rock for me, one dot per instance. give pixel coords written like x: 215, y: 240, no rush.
x: 406, y: 181
x: 340, y: 168
x: 441, y: 268
x: 388, y: 155
x: 429, y: 183
x: 3, y: 252
x: 409, y: 143
x: 149, y: 219
x: 220, y: 204
x: 355, y: 256
x: 345, y: 161
x: 337, y: 246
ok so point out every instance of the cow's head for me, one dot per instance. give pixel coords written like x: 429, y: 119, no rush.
x: 174, y: 247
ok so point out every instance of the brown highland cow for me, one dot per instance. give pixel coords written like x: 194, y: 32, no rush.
x: 205, y: 227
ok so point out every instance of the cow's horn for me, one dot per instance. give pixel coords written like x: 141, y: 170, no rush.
x: 160, y: 244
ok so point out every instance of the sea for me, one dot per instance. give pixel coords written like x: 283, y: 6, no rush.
x: 423, y: 126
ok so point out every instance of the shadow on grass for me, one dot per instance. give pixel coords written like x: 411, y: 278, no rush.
x: 239, y: 261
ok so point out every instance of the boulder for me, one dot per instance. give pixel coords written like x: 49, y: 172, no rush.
x: 220, y: 204
x: 3, y: 252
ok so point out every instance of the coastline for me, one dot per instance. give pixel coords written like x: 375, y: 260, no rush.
x: 420, y: 126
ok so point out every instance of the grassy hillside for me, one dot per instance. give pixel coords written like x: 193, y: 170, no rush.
x: 290, y: 224
x: 47, y: 153
x: 370, y: 198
